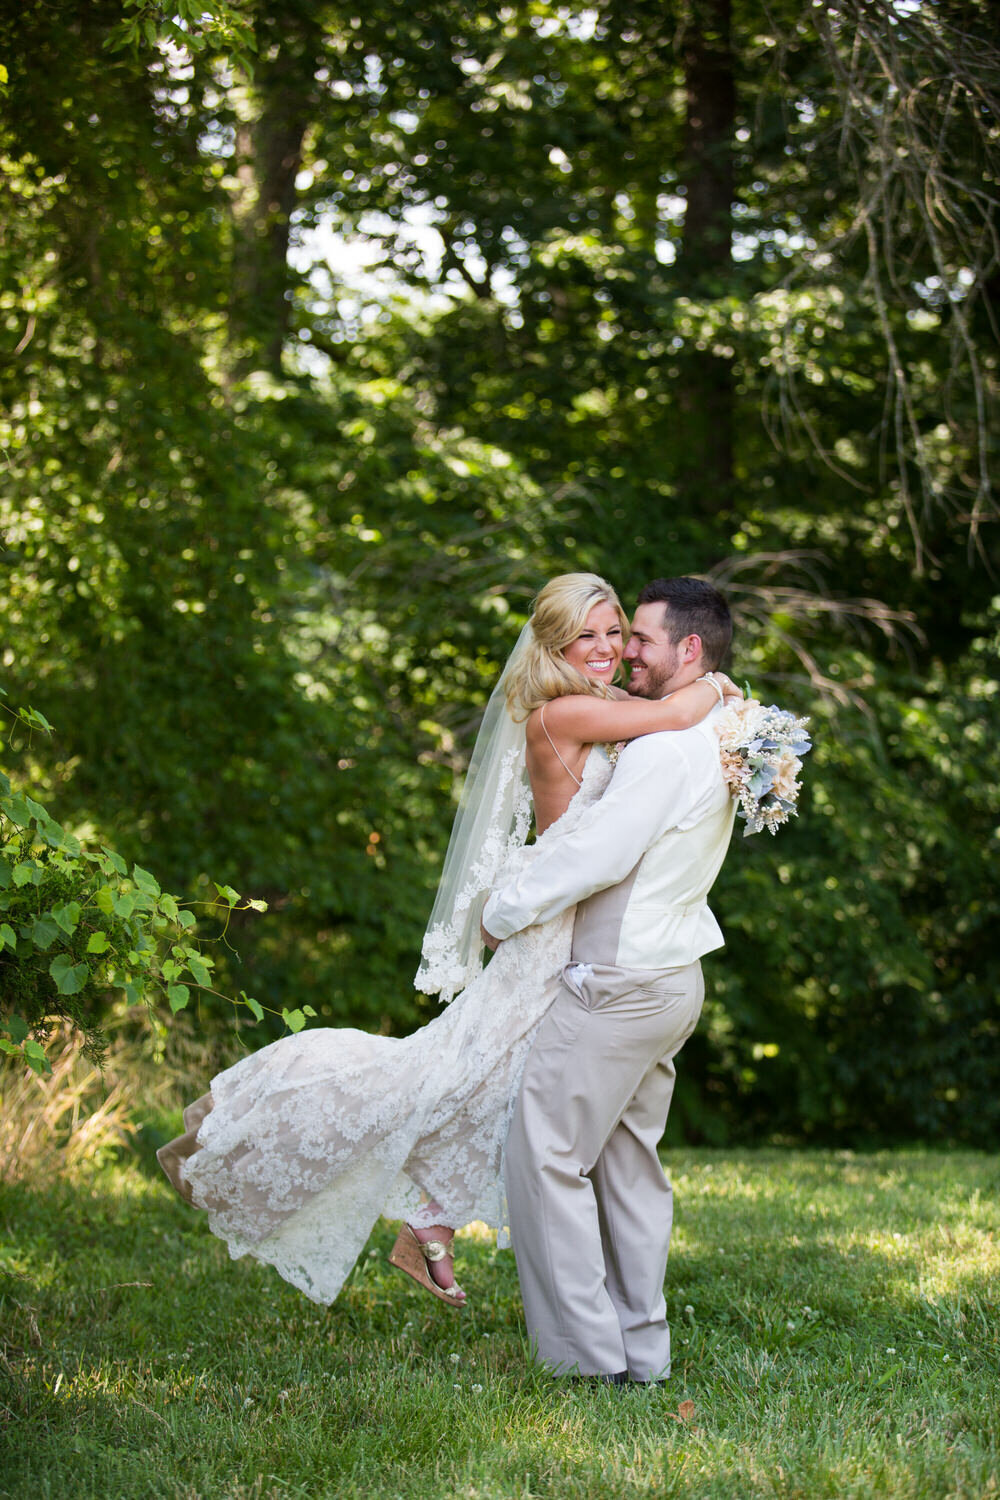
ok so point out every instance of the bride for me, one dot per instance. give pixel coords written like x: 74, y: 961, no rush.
x: 299, y: 1148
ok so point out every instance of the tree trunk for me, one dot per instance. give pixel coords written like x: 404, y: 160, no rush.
x: 705, y: 262
x: 269, y: 151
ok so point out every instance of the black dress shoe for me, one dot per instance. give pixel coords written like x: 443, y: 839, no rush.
x: 620, y: 1377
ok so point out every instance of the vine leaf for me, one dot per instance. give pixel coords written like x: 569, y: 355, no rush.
x: 253, y: 1005
x: 178, y: 995
x: 69, y: 977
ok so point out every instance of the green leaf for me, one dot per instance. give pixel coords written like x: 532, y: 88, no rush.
x: 5, y: 869
x: 134, y: 991
x: 67, y: 916
x: 8, y: 935
x: 124, y: 905
x: 16, y: 1026
x: 27, y: 874
x: 226, y: 893
x: 254, y: 1006
x: 146, y: 882
x: 8, y: 1046
x: 199, y: 970
x: 293, y: 1019
x: 185, y: 918
x: 44, y: 931
x: 56, y: 836
x: 34, y: 719
x: 17, y: 810
x: 117, y: 863
x: 105, y: 899
x: 98, y: 942
x: 69, y: 977
x: 178, y: 995
x: 307, y: 1010
x: 168, y: 906
x: 257, y: 905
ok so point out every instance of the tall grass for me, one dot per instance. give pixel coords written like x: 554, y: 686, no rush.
x: 81, y: 1113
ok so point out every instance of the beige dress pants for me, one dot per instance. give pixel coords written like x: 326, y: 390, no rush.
x: 590, y: 1207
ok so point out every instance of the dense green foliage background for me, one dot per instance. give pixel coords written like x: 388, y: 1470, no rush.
x: 647, y: 288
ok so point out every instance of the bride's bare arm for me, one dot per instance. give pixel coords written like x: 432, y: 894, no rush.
x: 585, y: 719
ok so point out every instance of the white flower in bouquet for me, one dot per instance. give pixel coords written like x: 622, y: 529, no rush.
x: 761, y: 753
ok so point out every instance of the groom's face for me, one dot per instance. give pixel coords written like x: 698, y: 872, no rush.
x: 653, y: 659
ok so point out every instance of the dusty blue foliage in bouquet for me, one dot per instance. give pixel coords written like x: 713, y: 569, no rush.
x: 761, y: 751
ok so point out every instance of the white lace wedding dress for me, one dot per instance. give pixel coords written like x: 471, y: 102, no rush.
x: 309, y: 1140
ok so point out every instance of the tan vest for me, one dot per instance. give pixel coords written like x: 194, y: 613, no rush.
x: 658, y: 917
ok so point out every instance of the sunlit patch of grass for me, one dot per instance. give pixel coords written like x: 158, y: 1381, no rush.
x: 834, y: 1321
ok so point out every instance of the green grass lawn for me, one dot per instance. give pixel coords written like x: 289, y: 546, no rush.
x: 834, y: 1320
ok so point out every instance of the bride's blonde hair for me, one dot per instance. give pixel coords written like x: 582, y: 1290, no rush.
x: 558, y: 616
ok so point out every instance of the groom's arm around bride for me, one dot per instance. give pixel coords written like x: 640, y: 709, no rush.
x: 590, y: 1206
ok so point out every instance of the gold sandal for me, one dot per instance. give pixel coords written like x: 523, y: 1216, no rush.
x: 411, y: 1255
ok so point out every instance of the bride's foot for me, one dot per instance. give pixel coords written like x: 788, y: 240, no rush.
x: 441, y: 1269
x: 425, y: 1254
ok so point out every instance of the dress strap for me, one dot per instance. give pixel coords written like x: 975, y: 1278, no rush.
x: 541, y: 720
x: 712, y: 681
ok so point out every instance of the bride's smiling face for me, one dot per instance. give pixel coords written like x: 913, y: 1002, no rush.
x: 598, y: 648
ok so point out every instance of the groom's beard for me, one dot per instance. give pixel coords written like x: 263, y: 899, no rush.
x: 650, y: 687
x: 654, y: 681
x: 641, y: 689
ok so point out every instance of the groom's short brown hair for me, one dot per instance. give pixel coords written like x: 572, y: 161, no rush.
x: 693, y: 607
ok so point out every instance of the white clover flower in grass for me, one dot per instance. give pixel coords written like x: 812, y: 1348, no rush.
x: 477, y: 1389
x: 890, y: 1349
x: 454, y: 1358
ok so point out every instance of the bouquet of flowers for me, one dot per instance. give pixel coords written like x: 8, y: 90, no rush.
x: 761, y: 759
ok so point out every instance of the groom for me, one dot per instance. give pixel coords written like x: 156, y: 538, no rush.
x: 590, y: 1207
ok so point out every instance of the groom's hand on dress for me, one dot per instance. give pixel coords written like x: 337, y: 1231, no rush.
x: 491, y: 942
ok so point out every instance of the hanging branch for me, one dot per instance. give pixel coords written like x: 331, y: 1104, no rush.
x: 756, y: 599
x: 918, y: 95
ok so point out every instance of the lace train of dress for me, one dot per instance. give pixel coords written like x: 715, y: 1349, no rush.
x: 306, y: 1142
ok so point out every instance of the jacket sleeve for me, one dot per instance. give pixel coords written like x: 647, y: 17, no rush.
x: 652, y: 789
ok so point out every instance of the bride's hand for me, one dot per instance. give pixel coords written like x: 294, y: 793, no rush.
x: 730, y: 692
x: 491, y: 942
